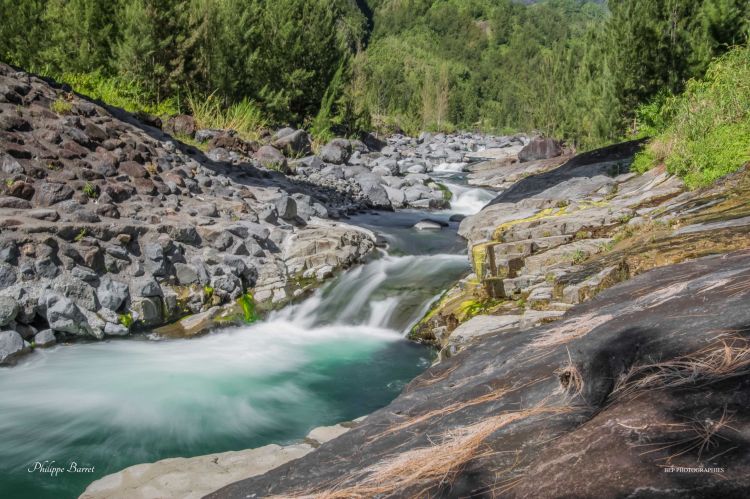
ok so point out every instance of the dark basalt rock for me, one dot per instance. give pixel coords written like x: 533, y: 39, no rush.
x: 652, y: 373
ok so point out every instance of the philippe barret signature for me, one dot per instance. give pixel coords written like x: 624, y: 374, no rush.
x: 53, y: 469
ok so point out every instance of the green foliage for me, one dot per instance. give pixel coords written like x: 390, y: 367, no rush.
x: 81, y: 234
x: 208, y: 292
x: 125, y: 319
x: 247, y: 302
x: 707, y: 132
x: 573, y: 69
x: 118, y: 92
x: 91, y: 190
x: 447, y: 194
x: 61, y: 106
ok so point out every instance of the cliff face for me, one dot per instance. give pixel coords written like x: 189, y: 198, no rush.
x: 636, y: 388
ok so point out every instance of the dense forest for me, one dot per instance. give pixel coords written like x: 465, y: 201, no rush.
x: 570, y: 68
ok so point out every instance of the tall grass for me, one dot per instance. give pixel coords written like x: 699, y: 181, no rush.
x: 245, y: 117
x: 118, y: 92
x: 705, y: 133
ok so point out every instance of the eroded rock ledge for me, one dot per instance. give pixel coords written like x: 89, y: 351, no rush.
x: 601, y: 346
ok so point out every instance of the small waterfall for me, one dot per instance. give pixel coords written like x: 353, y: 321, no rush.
x: 469, y: 200
x: 385, y: 293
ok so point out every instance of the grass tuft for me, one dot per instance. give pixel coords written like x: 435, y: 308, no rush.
x: 244, y: 117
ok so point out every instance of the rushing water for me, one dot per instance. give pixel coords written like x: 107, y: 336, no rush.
x: 337, y: 355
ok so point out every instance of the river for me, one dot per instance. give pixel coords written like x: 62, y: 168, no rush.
x: 339, y: 354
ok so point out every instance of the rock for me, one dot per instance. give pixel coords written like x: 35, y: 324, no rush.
x: 63, y: 315
x: 294, y: 143
x: 45, y: 338
x: 427, y: 225
x: 540, y: 148
x: 373, y: 191
x: 10, y: 165
x: 78, y: 291
x: 286, y: 207
x: 154, y: 260
x: 147, y: 310
x: 11, y: 347
x: 271, y: 158
x: 48, y: 194
x: 204, y: 135
x: 337, y: 151
x: 395, y: 196
x: 181, y: 125
x: 14, y: 202
x: 112, y: 329
x: 21, y: 189
x: 185, y: 273
x: 8, y: 251
x: 133, y: 169
x: 8, y: 310
x: 7, y: 276
x: 372, y: 142
x: 145, y: 287
x: 112, y: 294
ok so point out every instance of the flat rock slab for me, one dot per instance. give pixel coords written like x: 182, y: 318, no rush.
x: 192, y: 478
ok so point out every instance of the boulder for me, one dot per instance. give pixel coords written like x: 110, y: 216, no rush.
x: 294, y: 144
x: 49, y: 193
x: 112, y: 294
x: 286, y: 207
x: 11, y: 346
x: 147, y: 310
x: 181, y: 124
x: 271, y: 158
x: 112, y: 329
x: 336, y: 151
x: 45, y: 338
x: 63, y: 315
x: 8, y: 310
x: 540, y: 148
x: 185, y: 273
x: 373, y: 191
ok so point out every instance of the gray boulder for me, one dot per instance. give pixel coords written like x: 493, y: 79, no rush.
x: 145, y: 287
x: 373, y: 191
x: 8, y: 310
x: 185, y: 273
x: 45, y: 338
x: 336, y: 151
x: 271, y: 158
x: 181, y: 124
x: 78, y: 291
x: 112, y: 329
x: 112, y: 294
x: 293, y: 144
x: 540, y: 148
x: 11, y: 346
x: 147, y: 310
x: 63, y: 315
x: 286, y: 207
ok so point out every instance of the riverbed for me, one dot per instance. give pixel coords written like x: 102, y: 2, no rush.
x: 338, y: 354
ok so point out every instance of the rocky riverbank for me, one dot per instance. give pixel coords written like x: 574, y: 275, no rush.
x: 111, y: 226
x: 635, y: 388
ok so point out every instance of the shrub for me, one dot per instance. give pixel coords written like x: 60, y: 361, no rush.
x: 707, y: 129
